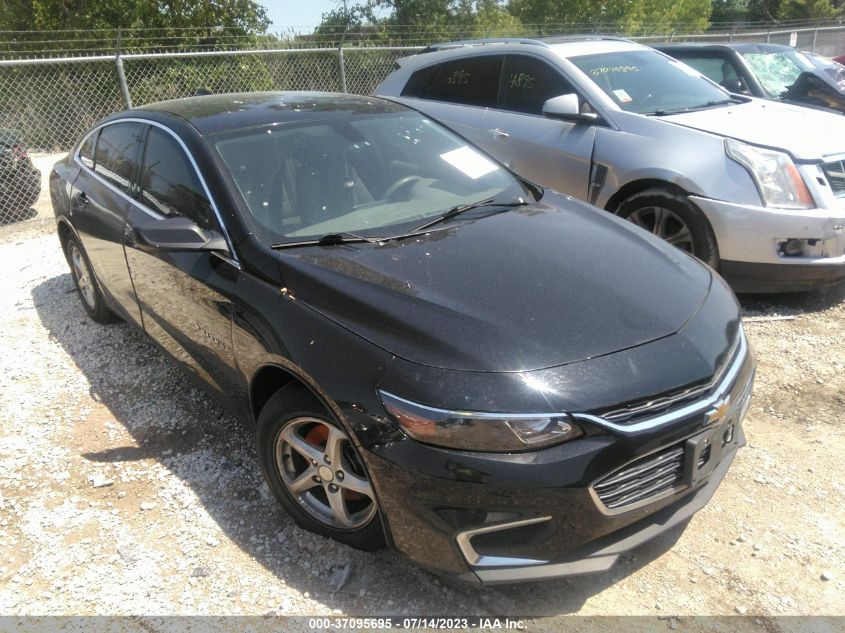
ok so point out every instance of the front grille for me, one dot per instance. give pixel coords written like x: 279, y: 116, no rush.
x: 835, y: 173
x: 634, y: 411
x: 643, y: 480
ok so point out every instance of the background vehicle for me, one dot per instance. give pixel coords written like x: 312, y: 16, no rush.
x: 768, y: 71
x: 20, y: 181
x: 752, y: 187
x: 502, y: 384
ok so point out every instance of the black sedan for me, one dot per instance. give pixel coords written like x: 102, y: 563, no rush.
x: 502, y: 383
x: 768, y: 71
x: 20, y: 181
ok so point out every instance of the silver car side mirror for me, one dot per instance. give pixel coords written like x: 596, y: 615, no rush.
x: 567, y: 108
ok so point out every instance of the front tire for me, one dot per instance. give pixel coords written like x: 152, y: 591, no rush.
x: 87, y: 286
x: 314, y: 470
x: 671, y: 216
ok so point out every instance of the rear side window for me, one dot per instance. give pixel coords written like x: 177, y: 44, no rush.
x: 169, y: 182
x: 527, y: 83
x: 86, y: 151
x: 469, y: 81
x: 117, y: 153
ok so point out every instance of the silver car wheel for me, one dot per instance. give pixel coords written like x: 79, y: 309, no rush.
x: 320, y: 469
x: 84, y: 279
x: 666, y: 224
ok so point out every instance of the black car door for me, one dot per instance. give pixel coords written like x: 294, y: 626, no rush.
x: 99, y: 201
x: 185, y: 296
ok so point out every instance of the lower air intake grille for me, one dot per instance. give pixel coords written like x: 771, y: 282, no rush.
x: 642, y: 480
x: 835, y: 173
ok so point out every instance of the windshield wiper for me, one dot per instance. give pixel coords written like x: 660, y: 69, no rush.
x: 703, y: 106
x: 451, y: 213
x: 330, y: 239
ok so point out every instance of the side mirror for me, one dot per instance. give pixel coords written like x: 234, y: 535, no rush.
x: 567, y: 108
x: 733, y: 85
x: 178, y: 234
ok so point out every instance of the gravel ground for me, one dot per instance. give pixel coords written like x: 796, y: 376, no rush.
x: 125, y: 490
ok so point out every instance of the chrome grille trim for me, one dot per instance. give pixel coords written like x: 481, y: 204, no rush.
x: 646, y: 479
x: 464, y: 540
x: 699, y: 406
x: 835, y: 174
x: 667, y: 401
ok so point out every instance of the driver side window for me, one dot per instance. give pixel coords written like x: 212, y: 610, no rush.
x: 527, y: 83
x: 169, y: 182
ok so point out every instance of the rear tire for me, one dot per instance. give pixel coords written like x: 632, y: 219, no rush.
x: 87, y: 286
x: 315, y: 471
x: 671, y: 216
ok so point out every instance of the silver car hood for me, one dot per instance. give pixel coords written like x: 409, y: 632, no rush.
x: 805, y: 133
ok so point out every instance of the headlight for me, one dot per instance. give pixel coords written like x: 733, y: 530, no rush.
x: 777, y: 177
x: 495, y: 432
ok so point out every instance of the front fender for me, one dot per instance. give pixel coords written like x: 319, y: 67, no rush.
x: 651, y: 149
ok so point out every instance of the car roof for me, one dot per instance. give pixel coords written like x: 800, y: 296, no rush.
x: 742, y: 47
x: 563, y: 46
x: 211, y: 114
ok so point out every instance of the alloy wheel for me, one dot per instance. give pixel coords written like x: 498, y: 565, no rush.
x: 320, y: 469
x: 664, y: 223
x: 83, y: 276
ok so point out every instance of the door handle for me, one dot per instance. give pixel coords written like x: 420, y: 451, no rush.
x: 83, y: 199
x: 498, y: 133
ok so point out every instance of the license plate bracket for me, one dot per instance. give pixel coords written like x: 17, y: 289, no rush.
x: 703, y: 452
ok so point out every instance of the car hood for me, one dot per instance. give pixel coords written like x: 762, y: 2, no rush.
x: 528, y: 288
x: 804, y: 133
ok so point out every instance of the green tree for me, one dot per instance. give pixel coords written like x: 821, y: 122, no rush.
x: 209, y: 19
x: 807, y: 10
x: 625, y: 16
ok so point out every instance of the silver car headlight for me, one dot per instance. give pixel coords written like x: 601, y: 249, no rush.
x: 778, y: 179
x: 474, y: 431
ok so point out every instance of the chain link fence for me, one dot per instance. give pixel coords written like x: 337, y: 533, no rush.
x: 46, y: 104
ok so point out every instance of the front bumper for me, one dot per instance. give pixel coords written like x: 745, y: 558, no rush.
x: 751, y: 239
x: 445, y: 509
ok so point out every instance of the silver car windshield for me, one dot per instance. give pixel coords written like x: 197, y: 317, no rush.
x: 369, y: 175
x: 646, y: 82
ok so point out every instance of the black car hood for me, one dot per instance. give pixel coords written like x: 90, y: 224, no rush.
x: 528, y: 288
x: 821, y: 88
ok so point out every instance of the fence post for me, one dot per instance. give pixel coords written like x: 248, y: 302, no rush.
x: 121, y: 78
x: 815, y: 35
x: 768, y: 36
x: 342, y: 64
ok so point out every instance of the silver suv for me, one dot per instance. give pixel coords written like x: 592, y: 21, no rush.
x: 754, y: 188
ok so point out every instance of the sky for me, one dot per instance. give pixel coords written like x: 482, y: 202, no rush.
x: 297, y: 13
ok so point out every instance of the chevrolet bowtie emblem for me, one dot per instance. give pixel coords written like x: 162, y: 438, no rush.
x: 719, y: 410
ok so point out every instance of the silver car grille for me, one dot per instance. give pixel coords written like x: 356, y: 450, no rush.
x: 835, y: 174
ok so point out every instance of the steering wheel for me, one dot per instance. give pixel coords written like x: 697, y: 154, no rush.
x: 399, y: 185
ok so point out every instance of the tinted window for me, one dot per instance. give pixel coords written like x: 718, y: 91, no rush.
x: 470, y: 81
x: 720, y: 70
x: 117, y: 153
x: 86, y: 151
x: 169, y: 182
x: 419, y: 82
x: 527, y: 83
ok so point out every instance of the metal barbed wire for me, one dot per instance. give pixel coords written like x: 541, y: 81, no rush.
x: 22, y: 44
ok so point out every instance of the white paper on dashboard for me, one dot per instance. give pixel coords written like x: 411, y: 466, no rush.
x: 469, y: 162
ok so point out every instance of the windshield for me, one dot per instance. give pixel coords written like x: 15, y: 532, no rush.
x: 372, y: 175
x: 647, y: 82
x: 777, y: 71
